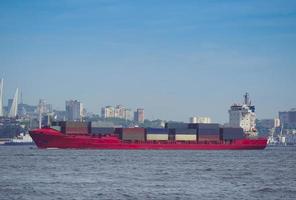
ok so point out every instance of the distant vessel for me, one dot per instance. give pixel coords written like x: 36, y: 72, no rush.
x: 287, y: 139
x: 22, y: 139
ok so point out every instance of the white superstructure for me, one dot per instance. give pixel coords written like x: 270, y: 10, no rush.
x: 243, y: 115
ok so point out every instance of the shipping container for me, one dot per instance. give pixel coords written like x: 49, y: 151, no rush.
x: 75, y: 124
x: 208, y: 132
x: 179, y: 125
x: 157, y: 137
x: 157, y: 131
x: 70, y: 127
x: 208, y: 126
x: 172, y: 131
x: 186, y: 131
x: 232, y: 133
x: 132, y: 134
x: 184, y: 137
x: 102, y: 130
x: 208, y: 138
x: 75, y: 130
x: 171, y: 137
x: 193, y: 125
x: 57, y: 128
x: 55, y: 123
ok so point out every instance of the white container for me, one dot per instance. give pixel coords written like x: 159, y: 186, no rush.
x: 183, y: 137
x: 157, y: 137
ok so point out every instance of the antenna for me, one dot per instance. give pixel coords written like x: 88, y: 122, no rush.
x: 247, y: 99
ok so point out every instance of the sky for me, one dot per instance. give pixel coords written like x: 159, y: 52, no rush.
x: 174, y: 58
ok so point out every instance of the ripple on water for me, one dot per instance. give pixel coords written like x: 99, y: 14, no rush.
x: 29, y: 173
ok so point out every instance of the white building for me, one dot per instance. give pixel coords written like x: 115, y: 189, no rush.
x: 108, y: 112
x: 118, y: 112
x: 128, y: 114
x: 243, y: 115
x: 205, y: 120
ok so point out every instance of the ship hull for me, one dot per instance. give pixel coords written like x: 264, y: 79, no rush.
x: 53, y: 139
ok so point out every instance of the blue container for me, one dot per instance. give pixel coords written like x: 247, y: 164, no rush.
x: 157, y: 131
x: 186, y: 131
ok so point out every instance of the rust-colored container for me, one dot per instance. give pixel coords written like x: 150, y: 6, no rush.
x: 133, y: 134
x: 75, y: 127
x: 208, y: 138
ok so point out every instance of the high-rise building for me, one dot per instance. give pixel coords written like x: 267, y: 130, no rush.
x: 118, y: 111
x: 14, y: 105
x: 139, y: 115
x: 44, y: 107
x: 1, y: 98
x: 128, y: 114
x: 288, y: 119
x: 74, y: 110
x: 243, y: 115
x: 205, y: 120
x: 268, y: 123
x: 108, y: 112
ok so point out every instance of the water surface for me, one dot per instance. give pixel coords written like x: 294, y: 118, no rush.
x: 29, y: 173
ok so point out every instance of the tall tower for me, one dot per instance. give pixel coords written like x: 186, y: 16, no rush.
x: 1, y: 98
x: 139, y: 115
x: 73, y: 110
x: 13, y: 109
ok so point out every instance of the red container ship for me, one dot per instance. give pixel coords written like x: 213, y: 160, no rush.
x: 144, y: 139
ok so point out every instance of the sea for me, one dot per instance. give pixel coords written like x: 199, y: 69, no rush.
x: 28, y: 173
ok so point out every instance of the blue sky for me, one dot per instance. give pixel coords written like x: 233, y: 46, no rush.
x: 174, y: 58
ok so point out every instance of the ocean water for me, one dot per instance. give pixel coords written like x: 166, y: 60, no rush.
x: 29, y: 173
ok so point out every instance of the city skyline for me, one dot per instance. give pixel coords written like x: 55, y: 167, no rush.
x: 174, y: 59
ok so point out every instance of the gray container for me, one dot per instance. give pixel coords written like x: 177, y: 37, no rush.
x: 102, y: 130
x: 232, y: 133
x: 178, y: 125
x: 208, y: 131
x: 186, y: 131
x: 208, y: 126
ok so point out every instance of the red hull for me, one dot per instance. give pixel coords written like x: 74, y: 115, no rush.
x: 49, y: 138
